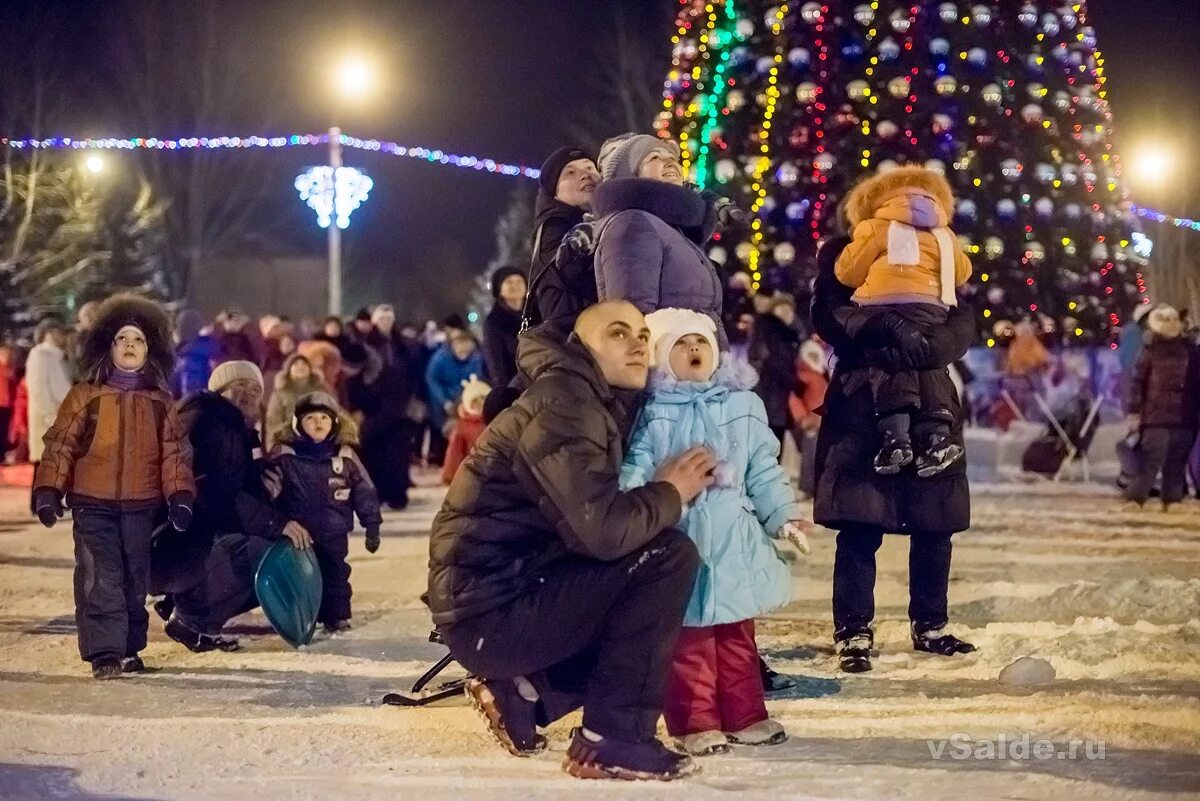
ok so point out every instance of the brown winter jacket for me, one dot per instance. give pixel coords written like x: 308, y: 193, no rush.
x: 1165, y: 389
x: 116, y: 448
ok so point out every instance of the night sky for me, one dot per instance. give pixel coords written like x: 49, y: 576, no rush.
x: 501, y: 79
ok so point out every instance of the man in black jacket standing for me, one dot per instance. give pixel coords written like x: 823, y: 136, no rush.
x: 548, y: 582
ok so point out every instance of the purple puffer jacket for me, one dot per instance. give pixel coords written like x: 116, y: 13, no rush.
x: 649, y: 251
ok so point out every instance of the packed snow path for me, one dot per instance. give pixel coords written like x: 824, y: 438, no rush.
x: 1110, y: 599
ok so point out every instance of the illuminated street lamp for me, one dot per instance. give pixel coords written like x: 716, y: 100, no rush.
x: 353, y: 80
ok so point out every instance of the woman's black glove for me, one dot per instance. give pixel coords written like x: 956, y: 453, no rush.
x: 47, y: 505
x: 898, y: 337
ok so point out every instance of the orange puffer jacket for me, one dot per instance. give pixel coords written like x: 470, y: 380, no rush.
x: 116, y: 448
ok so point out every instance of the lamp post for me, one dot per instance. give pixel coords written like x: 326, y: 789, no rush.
x: 353, y: 78
x: 335, y: 231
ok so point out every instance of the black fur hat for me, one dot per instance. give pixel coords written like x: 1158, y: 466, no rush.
x: 115, y: 313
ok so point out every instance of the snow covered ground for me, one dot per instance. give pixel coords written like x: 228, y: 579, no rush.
x: 1111, y: 599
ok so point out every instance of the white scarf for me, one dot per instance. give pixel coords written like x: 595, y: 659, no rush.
x: 903, y: 248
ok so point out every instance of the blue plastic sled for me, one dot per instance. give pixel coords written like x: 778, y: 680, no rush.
x: 288, y: 586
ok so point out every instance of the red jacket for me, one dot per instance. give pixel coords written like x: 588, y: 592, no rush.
x: 18, y: 427
x: 461, y: 441
x: 808, y: 396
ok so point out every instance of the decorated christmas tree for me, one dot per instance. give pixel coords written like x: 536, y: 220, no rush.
x: 782, y: 107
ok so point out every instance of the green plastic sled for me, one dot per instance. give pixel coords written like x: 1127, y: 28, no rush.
x: 288, y: 586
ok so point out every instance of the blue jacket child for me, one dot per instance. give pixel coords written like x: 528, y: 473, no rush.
x: 449, y: 368
x: 733, y: 522
x: 323, y: 486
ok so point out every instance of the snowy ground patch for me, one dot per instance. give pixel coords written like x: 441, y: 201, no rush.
x: 1111, y: 600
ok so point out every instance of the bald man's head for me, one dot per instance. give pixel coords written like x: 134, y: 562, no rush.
x: 616, y: 335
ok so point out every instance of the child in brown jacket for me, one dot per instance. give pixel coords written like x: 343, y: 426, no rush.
x: 905, y: 262
x: 116, y: 452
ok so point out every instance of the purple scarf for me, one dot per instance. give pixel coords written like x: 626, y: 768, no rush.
x: 126, y: 381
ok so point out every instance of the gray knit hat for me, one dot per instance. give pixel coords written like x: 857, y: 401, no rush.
x: 226, y: 373
x: 622, y: 156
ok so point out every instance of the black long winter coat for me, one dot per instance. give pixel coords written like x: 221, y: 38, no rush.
x: 323, y: 491
x: 558, y: 292
x: 541, y: 483
x: 500, y: 330
x: 228, y: 464
x: 773, y: 353
x: 849, y: 491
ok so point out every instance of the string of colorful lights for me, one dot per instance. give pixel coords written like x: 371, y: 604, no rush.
x: 431, y: 155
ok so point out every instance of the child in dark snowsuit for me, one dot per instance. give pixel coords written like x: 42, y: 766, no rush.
x: 324, y: 485
x: 116, y: 452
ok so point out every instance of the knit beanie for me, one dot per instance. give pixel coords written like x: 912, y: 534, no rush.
x: 363, y: 314
x: 474, y: 390
x: 380, y: 311
x: 226, y: 373
x: 554, y: 165
x: 668, y: 325
x: 501, y: 275
x: 622, y: 156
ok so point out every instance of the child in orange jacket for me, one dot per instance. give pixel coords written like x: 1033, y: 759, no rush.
x: 468, y: 427
x: 904, y: 262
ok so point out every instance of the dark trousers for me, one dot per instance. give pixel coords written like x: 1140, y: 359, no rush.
x: 387, y: 455
x: 854, y: 579
x: 591, y: 633
x: 112, y: 563
x: 808, y: 461
x: 1164, y: 450
x: 5, y: 418
x: 715, y: 684
x: 226, y: 588
x: 331, y: 551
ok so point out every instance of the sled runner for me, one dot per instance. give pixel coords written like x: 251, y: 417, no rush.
x: 419, y: 695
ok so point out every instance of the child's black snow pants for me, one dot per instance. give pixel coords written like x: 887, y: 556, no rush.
x: 331, y: 551
x: 112, y: 562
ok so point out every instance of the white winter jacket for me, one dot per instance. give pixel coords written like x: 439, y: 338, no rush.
x: 49, y: 381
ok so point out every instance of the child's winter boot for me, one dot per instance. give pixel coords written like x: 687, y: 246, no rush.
x: 765, y: 732
x: 895, y: 455
x: 703, y: 743
x: 938, y: 454
x: 106, y: 667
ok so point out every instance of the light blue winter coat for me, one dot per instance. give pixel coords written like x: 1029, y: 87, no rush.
x: 741, y: 574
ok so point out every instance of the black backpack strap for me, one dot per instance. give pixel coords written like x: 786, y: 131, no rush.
x: 526, y: 317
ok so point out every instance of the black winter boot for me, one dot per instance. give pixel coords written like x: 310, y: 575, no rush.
x: 937, y: 453
x: 854, y: 650
x: 510, y: 718
x: 772, y: 681
x: 937, y: 641
x: 133, y: 664
x: 894, y: 456
x: 106, y: 667
x: 614, y: 759
x: 198, y: 641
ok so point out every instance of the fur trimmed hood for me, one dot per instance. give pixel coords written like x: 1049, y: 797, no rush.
x: 112, y: 315
x: 732, y: 375
x: 681, y: 207
x: 869, y: 195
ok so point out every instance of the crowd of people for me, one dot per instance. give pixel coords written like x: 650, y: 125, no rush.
x: 616, y: 516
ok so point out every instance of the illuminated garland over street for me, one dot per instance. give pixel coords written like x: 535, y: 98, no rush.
x: 431, y: 155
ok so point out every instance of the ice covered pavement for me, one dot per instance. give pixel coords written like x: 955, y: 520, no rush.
x: 1111, y: 599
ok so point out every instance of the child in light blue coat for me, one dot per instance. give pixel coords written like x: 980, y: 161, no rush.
x: 715, y: 693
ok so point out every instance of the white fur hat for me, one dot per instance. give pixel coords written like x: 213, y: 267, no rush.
x: 812, y: 354
x: 474, y: 389
x: 668, y: 325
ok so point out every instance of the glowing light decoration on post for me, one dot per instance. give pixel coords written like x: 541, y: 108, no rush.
x: 334, y: 199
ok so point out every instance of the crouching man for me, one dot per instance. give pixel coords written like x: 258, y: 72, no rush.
x: 551, y: 585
